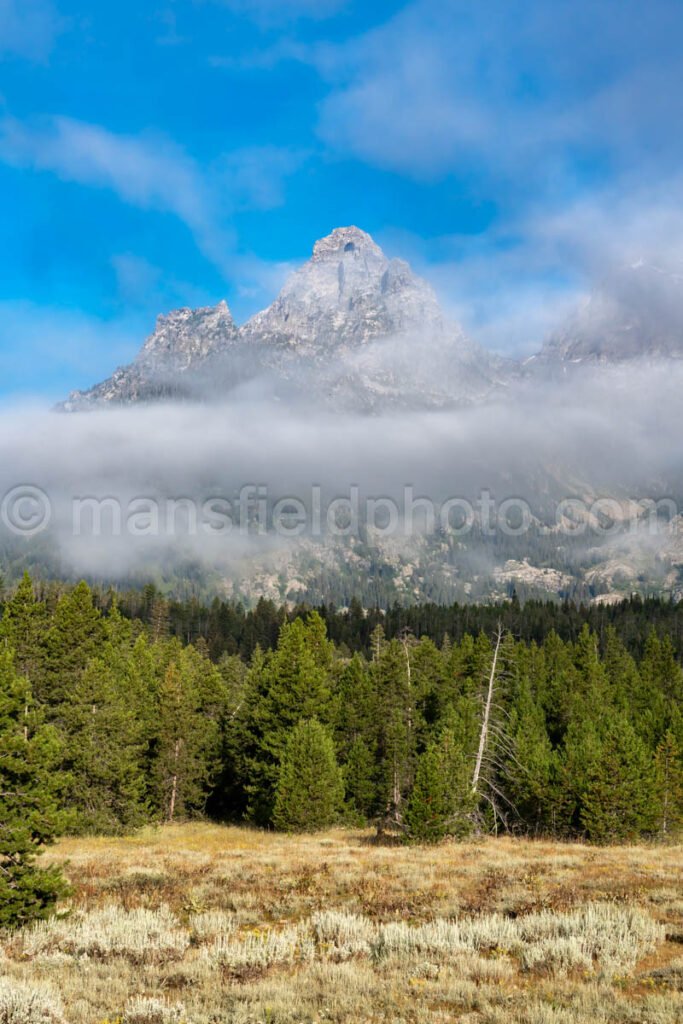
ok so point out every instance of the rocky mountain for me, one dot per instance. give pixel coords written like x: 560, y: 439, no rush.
x: 351, y: 328
x: 355, y: 330
x: 181, y: 343
x: 635, y: 314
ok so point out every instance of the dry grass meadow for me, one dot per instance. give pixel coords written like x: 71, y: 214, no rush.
x: 200, y: 923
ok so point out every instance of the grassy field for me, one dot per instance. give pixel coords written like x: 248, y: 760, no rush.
x: 202, y: 923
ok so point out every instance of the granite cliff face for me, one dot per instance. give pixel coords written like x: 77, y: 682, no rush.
x: 345, y: 296
x: 186, y: 337
x: 351, y: 329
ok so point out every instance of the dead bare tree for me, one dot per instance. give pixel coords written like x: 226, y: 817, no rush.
x: 496, y: 748
x: 486, y: 717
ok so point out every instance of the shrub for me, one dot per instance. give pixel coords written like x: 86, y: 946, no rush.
x: 140, y: 936
x: 261, y: 950
x: 153, y: 1011
x: 21, y: 1004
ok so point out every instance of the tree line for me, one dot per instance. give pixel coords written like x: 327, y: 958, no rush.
x: 111, y: 720
x: 229, y: 627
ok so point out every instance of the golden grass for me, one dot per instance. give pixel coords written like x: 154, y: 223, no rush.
x: 203, y: 923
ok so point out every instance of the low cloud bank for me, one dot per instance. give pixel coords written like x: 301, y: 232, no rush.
x: 600, y: 433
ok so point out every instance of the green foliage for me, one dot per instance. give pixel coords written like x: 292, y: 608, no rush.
x: 669, y: 786
x: 289, y: 685
x: 391, y: 676
x: 584, y: 738
x: 105, y: 746
x: 310, y: 790
x: 441, y: 802
x: 618, y: 801
x: 360, y: 782
x: 530, y: 761
x: 75, y: 636
x: 189, y: 709
x: 29, y: 802
x: 23, y: 630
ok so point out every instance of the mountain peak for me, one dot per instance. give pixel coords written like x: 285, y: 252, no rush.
x: 347, y: 295
x: 348, y: 242
x: 345, y: 326
x: 636, y: 313
x: 185, y: 335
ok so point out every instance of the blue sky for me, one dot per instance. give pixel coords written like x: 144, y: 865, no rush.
x: 180, y: 151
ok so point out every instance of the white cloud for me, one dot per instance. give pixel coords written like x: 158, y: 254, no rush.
x: 613, y: 225
x: 601, y: 430
x: 28, y: 28
x: 398, y: 99
x: 151, y: 172
x: 145, y: 171
x: 518, y: 281
x: 506, y: 87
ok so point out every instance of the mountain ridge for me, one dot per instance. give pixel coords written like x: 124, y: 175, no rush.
x: 356, y: 330
x: 635, y: 314
x: 351, y: 327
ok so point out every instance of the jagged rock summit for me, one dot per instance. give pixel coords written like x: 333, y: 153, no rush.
x: 185, y: 336
x: 351, y: 328
x: 347, y: 294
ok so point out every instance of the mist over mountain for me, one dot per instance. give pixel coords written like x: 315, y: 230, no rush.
x: 278, y: 409
x: 635, y: 314
x: 351, y: 329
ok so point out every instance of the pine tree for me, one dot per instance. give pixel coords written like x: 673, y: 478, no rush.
x: 290, y: 684
x: 118, y: 631
x: 669, y: 786
x: 75, y: 636
x: 659, y: 675
x: 433, y: 687
x: 356, y: 706
x: 105, y: 744
x: 159, y: 625
x: 625, y: 681
x: 186, y: 744
x: 580, y: 752
x: 441, y: 802
x: 310, y: 789
x: 23, y: 629
x: 360, y: 781
x: 529, y: 762
x: 592, y: 687
x: 356, y: 737
x: 397, y: 736
x: 228, y: 799
x: 560, y: 683
x: 619, y: 798
x: 29, y: 803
